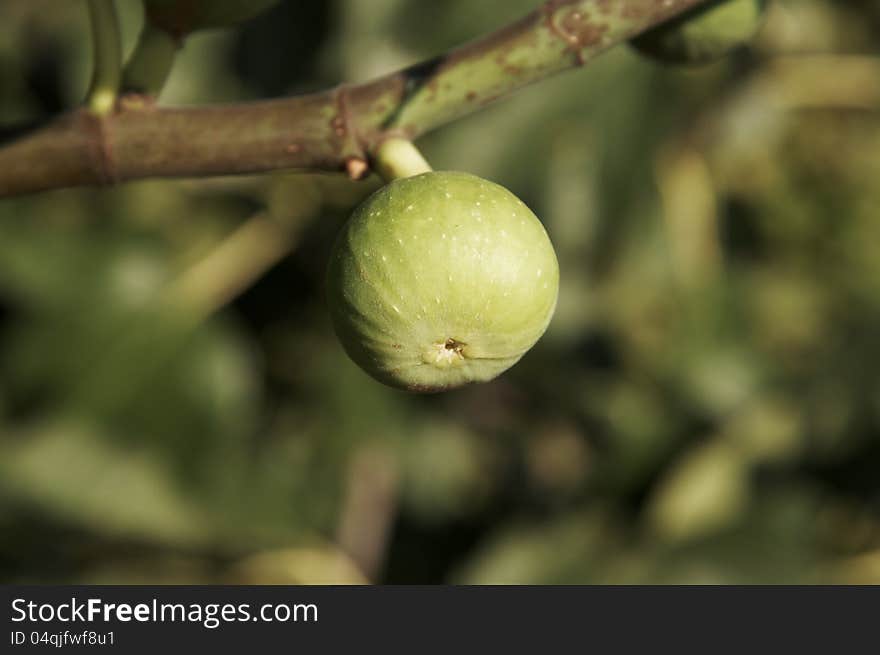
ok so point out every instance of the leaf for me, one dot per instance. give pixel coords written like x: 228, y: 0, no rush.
x: 69, y: 470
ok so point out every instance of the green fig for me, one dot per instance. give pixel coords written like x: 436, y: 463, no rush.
x: 439, y: 280
x: 703, y: 34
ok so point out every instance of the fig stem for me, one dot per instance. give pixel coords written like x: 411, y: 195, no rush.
x: 396, y: 158
x: 106, y: 55
x: 150, y: 64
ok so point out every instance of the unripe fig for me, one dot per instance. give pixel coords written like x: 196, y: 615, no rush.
x: 441, y: 279
x: 703, y: 34
x: 180, y: 17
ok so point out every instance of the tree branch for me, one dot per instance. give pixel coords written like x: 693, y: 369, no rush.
x: 332, y: 130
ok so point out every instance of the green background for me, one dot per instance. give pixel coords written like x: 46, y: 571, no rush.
x: 704, y: 408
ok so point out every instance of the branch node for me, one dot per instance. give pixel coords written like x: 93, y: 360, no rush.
x: 356, y: 168
x: 351, y: 149
x: 574, y: 27
x: 101, y: 147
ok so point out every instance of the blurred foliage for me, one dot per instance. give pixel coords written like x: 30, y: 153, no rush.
x: 705, y: 407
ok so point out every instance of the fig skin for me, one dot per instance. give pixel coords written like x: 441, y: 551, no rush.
x: 439, y: 280
x: 703, y: 34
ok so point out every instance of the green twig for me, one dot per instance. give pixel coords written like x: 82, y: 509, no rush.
x: 107, y: 57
